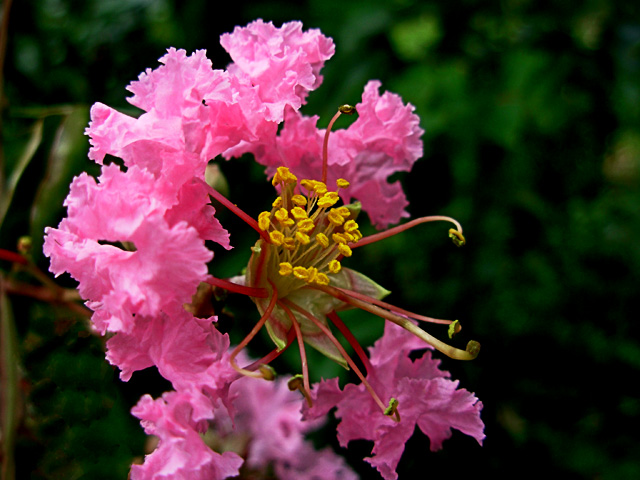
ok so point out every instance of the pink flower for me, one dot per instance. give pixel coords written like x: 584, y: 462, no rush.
x: 425, y: 397
x: 384, y: 139
x: 285, y: 62
x: 181, y: 452
x: 130, y: 255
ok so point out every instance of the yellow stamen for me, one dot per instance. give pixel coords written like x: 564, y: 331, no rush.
x: 350, y: 226
x: 301, y: 273
x: 322, y: 239
x: 344, y: 249
x: 277, y: 203
x: 299, y: 200
x: 334, y: 266
x: 299, y: 213
x: 276, y: 237
x: 306, y: 225
x: 289, y: 243
x: 285, y: 269
x: 335, y: 218
x: 264, y: 220
x: 342, y: 183
x: 303, y: 238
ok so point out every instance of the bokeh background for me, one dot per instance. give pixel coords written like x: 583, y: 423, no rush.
x: 532, y: 118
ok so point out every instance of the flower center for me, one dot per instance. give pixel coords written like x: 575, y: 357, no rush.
x: 307, y: 235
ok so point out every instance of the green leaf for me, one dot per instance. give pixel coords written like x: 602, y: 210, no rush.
x: 29, y: 150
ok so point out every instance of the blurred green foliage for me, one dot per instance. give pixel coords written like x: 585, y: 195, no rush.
x: 532, y: 120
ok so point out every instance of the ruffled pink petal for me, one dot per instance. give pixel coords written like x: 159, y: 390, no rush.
x: 181, y: 452
x: 285, y: 62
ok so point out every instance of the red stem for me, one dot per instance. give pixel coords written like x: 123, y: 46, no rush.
x: 236, y: 288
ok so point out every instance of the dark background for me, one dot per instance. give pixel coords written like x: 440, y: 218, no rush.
x: 532, y: 118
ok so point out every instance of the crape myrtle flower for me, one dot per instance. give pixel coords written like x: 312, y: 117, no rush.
x: 135, y: 241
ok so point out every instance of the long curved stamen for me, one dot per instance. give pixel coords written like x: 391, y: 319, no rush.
x: 458, y: 240
x: 303, y: 354
x: 337, y: 321
x: 342, y: 351
x: 347, y: 109
x: 473, y: 347
x: 273, y: 354
x: 236, y: 288
x: 254, y: 331
x: 393, y: 308
x: 235, y: 209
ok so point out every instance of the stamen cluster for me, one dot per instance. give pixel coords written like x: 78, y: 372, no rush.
x: 308, y: 236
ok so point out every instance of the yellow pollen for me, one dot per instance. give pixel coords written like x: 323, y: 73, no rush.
x: 301, y: 273
x: 344, y: 249
x: 289, y: 243
x: 340, y: 238
x: 277, y: 203
x: 350, y: 226
x: 306, y: 225
x: 329, y: 199
x: 299, y: 213
x: 313, y: 274
x: 322, y: 279
x: 322, y: 239
x: 335, y: 218
x: 264, y: 220
x: 283, y: 175
x: 334, y: 266
x: 343, y: 212
x: 285, y: 269
x: 303, y: 238
x: 299, y: 200
x: 342, y: 183
x: 277, y: 238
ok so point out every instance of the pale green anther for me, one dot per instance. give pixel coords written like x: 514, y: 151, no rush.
x: 453, y: 328
x: 392, y: 408
x: 457, y: 237
x: 268, y: 372
x: 347, y: 109
x: 295, y: 382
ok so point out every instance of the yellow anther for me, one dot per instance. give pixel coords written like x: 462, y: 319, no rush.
x: 322, y: 239
x: 313, y: 274
x: 301, y: 273
x: 322, y: 279
x: 303, y: 238
x: 329, y: 199
x: 340, y: 238
x: 277, y: 203
x: 342, y: 183
x: 285, y: 269
x: 299, y: 200
x: 282, y: 214
x: 264, y: 220
x: 344, y: 249
x: 308, y: 184
x: 356, y: 235
x: 343, y: 212
x: 277, y: 238
x: 335, y: 218
x: 334, y: 266
x: 299, y: 213
x: 320, y: 188
x: 306, y: 225
x: 283, y: 175
x: 350, y: 226
x: 289, y: 243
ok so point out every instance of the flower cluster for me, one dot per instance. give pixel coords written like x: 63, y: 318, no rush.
x: 135, y: 242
